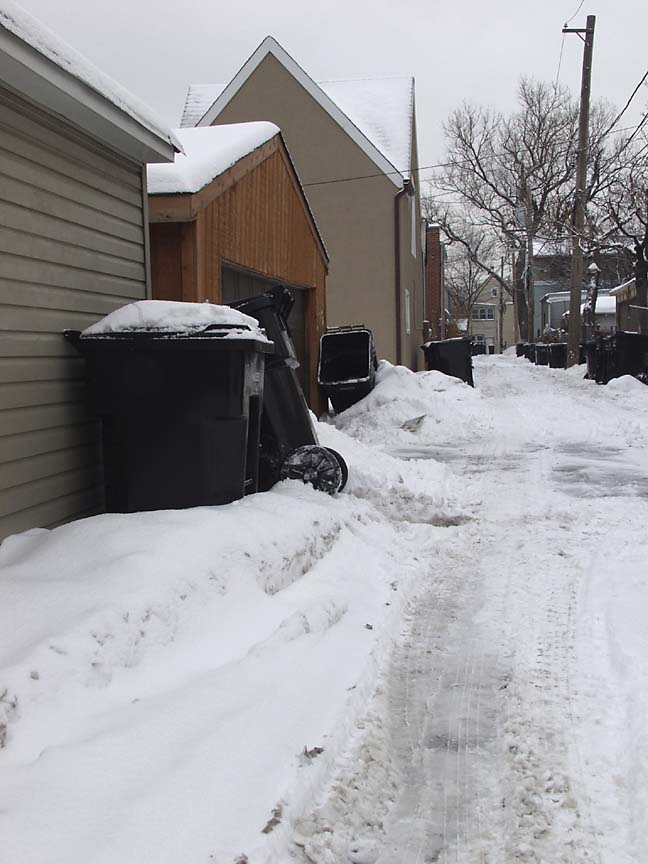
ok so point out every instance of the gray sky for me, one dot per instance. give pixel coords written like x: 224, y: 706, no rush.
x: 456, y: 50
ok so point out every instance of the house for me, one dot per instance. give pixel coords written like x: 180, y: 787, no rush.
x: 353, y: 144
x: 230, y: 219
x: 492, y: 318
x: 552, y: 277
x: 73, y: 247
x: 629, y: 314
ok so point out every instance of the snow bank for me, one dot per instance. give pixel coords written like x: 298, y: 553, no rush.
x: 401, y: 395
x: 182, y: 683
x: 208, y: 152
x: 168, y: 316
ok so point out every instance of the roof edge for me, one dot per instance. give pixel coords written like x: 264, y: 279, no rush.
x: 32, y: 74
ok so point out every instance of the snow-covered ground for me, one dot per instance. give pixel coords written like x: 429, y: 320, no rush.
x: 447, y: 662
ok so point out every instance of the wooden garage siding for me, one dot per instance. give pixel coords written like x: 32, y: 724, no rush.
x: 71, y: 250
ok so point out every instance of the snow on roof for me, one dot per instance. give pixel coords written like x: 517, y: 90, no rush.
x: 380, y: 109
x: 169, y: 316
x: 621, y: 288
x: 605, y: 305
x: 208, y: 152
x: 27, y: 28
x: 200, y: 98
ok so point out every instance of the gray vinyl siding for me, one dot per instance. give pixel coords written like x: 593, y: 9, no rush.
x: 72, y: 249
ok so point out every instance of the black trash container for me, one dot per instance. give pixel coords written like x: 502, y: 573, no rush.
x: 629, y: 354
x: 519, y: 349
x: 541, y: 354
x: 592, y: 354
x: 557, y: 355
x: 180, y: 414
x: 452, y: 357
x: 347, y: 365
x: 478, y: 348
x: 530, y: 352
x: 289, y: 447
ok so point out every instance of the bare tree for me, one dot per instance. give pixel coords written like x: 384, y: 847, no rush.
x: 623, y: 215
x: 513, y: 177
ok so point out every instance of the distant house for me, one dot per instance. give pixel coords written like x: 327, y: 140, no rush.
x: 73, y: 247
x: 354, y: 147
x: 228, y: 220
x: 492, y: 320
x: 628, y: 312
x: 552, y: 275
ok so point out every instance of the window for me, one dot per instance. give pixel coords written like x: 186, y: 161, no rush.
x: 494, y: 292
x: 483, y: 313
x: 408, y: 319
x: 413, y: 199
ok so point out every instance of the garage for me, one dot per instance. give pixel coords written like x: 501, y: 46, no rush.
x: 229, y: 220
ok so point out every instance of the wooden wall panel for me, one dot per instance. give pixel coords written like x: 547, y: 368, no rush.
x: 259, y: 223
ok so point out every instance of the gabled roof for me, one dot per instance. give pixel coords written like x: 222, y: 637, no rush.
x: 377, y: 114
x: 214, y: 159
x: 39, y: 65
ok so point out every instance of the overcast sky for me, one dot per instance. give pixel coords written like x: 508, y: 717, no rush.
x: 456, y: 49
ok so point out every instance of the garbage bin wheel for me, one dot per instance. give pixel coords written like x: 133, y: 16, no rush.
x: 343, y: 466
x: 315, y: 465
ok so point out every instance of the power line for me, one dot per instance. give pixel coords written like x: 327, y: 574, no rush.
x: 562, y: 48
x: 580, y: 6
x: 455, y: 163
x: 627, y: 105
x: 384, y: 173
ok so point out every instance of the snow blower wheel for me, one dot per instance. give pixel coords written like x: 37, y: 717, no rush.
x: 315, y: 465
x: 343, y: 466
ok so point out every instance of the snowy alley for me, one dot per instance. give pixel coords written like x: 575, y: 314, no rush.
x: 446, y: 663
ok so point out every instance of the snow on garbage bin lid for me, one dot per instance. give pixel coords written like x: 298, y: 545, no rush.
x: 176, y: 318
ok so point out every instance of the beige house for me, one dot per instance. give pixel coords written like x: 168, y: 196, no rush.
x: 354, y: 147
x: 492, y: 318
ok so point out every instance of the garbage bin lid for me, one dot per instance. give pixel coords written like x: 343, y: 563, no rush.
x: 168, y: 318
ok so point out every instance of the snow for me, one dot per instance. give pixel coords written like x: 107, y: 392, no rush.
x: 200, y: 98
x: 448, y: 661
x: 30, y: 30
x: 381, y: 108
x: 208, y: 152
x: 170, y: 316
x: 605, y: 305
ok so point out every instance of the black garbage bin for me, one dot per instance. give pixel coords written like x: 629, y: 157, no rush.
x: 519, y: 349
x: 289, y: 447
x: 557, y: 355
x: 180, y: 413
x: 592, y: 353
x: 478, y: 348
x: 452, y: 357
x: 541, y: 354
x: 347, y: 365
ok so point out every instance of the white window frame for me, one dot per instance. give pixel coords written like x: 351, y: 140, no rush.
x: 408, y: 313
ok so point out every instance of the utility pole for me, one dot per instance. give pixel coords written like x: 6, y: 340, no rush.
x: 529, y: 274
x: 573, y: 348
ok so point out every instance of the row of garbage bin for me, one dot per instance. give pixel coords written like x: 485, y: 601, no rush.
x: 552, y: 354
x: 622, y: 353
x: 607, y: 357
